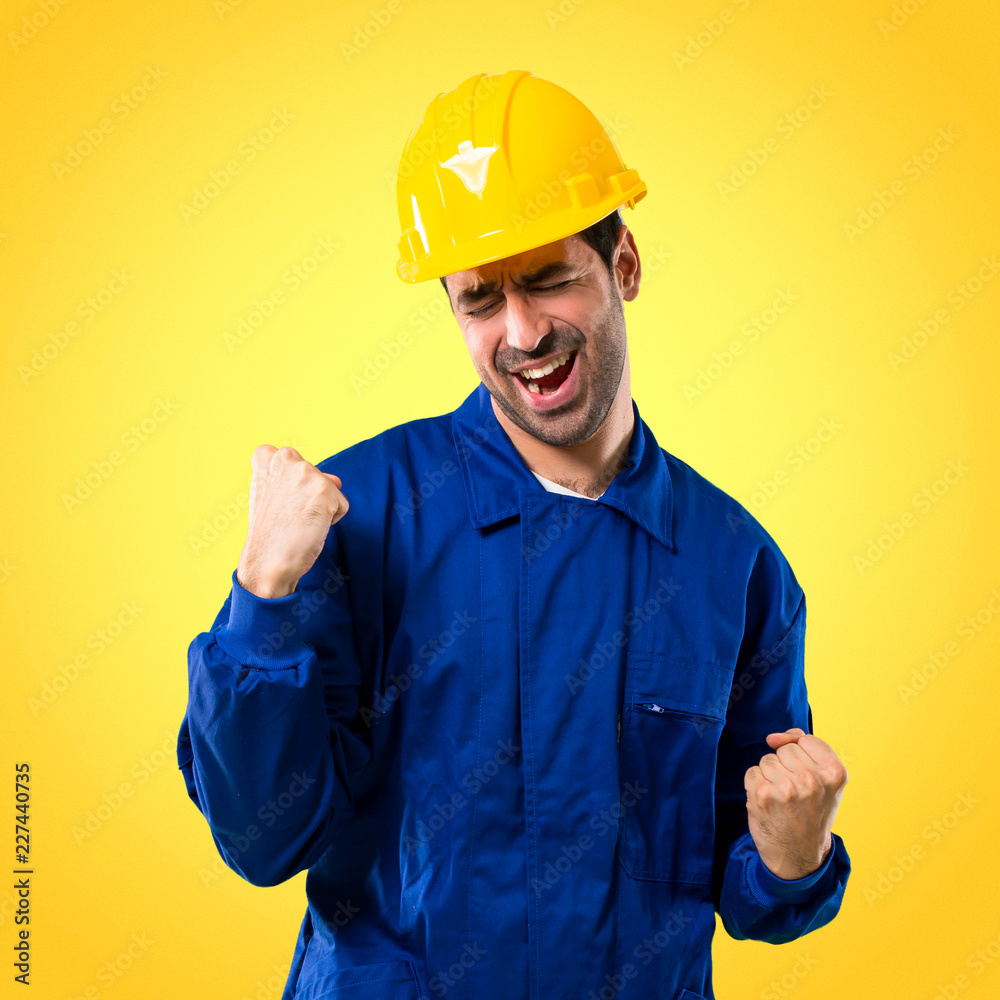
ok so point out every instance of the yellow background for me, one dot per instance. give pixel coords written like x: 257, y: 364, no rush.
x: 687, y: 102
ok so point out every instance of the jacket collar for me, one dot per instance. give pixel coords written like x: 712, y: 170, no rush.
x: 495, y: 473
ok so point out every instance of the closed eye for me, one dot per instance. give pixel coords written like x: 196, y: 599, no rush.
x: 538, y: 288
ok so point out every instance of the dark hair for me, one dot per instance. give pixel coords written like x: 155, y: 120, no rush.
x: 602, y: 236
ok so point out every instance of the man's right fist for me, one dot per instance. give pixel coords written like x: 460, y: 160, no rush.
x: 292, y: 507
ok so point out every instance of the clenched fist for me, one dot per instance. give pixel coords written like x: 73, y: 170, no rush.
x: 792, y: 798
x: 292, y: 507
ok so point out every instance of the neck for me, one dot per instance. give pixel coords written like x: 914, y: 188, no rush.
x: 588, y: 467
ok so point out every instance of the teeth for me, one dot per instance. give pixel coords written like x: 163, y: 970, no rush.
x: 530, y: 373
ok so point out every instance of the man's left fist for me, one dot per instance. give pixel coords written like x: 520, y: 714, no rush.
x: 792, y: 798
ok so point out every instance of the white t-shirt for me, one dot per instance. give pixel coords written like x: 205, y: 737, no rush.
x: 556, y: 488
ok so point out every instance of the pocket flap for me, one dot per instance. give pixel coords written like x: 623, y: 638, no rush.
x: 392, y: 980
x: 679, y: 685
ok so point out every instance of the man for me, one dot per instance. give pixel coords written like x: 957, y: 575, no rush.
x: 531, y: 708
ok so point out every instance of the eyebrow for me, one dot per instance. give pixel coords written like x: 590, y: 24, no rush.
x: 554, y: 269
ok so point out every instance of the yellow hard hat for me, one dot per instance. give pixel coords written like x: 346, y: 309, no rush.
x: 500, y: 165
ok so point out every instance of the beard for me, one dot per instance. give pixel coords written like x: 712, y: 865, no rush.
x: 599, y: 378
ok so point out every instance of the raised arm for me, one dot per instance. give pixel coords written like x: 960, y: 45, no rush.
x: 804, y: 885
x: 271, y: 747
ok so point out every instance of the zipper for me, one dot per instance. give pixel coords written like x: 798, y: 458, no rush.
x: 619, y: 727
x: 651, y: 706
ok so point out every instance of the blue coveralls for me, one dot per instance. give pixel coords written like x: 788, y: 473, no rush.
x: 506, y: 729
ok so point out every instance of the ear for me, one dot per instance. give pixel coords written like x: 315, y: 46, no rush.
x: 628, y: 267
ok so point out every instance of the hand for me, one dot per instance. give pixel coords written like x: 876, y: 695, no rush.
x: 292, y: 507
x: 792, y: 798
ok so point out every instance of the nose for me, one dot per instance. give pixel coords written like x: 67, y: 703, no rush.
x: 527, y: 323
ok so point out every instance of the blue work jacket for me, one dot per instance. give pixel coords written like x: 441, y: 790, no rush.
x: 506, y: 729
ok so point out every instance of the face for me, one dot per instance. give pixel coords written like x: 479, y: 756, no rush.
x: 555, y: 303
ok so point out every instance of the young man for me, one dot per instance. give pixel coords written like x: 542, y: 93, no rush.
x: 531, y: 708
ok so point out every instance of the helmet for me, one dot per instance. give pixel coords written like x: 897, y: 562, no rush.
x: 500, y: 165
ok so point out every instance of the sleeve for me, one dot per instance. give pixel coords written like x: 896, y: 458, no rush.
x: 768, y: 694
x: 271, y: 747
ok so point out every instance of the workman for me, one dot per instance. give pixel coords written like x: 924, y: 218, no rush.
x: 522, y: 690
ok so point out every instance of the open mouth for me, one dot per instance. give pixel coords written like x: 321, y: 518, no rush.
x: 549, y: 378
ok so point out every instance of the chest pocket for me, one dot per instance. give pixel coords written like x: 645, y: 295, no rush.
x: 673, y: 713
